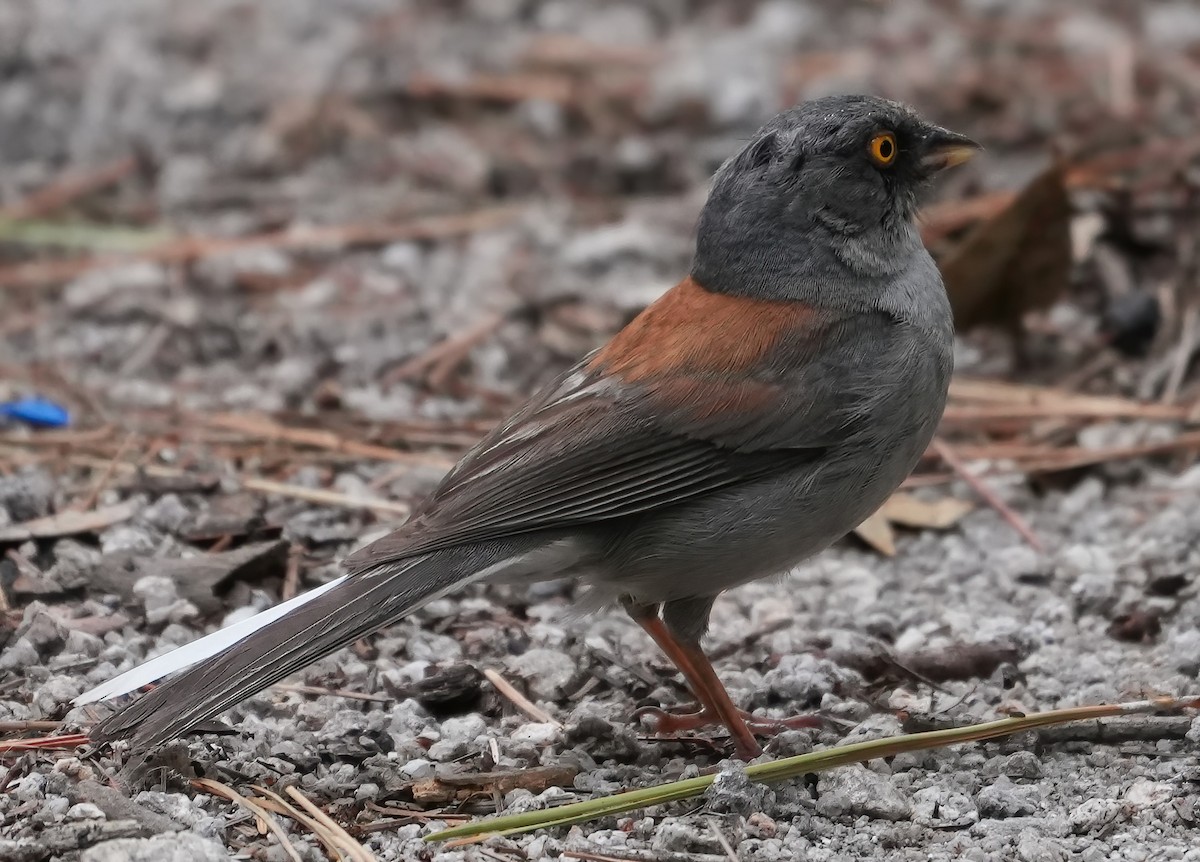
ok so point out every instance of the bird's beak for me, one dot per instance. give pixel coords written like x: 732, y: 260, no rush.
x: 945, y: 149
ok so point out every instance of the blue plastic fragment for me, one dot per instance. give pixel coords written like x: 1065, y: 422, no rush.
x: 36, y: 411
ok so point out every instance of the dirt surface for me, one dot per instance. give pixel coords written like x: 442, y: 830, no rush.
x: 284, y: 261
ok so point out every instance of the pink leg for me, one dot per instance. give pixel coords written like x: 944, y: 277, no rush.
x: 716, y: 707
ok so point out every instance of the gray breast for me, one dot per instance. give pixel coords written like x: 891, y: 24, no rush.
x: 766, y: 527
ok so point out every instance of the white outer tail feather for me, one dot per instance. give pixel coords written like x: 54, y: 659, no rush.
x: 189, y: 654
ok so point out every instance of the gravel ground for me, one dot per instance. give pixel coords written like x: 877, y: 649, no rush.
x: 247, y: 119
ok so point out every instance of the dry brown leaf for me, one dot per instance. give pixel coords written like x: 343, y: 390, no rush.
x: 1015, y: 262
x: 449, y: 787
x: 909, y: 511
x: 877, y: 532
x: 68, y: 523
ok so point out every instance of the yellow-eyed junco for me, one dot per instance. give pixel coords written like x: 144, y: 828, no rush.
x: 758, y: 411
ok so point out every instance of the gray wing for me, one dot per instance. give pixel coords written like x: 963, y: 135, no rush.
x: 588, y: 450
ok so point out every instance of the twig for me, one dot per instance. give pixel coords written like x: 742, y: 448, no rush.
x: 70, y: 437
x: 145, y: 351
x: 68, y: 188
x: 588, y: 856
x: 722, y: 840
x: 1051, y: 402
x: 333, y: 692
x: 1183, y: 355
x: 519, y: 700
x: 1048, y: 459
x: 964, y: 414
x: 1015, y: 521
x: 357, y: 851
x: 640, y: 856
x: 104, y: 478
x: 43, y: 743
x: 504, y: 89
x: 275, y: 802
x: 335, y: 839
x: 29, y: 726
x: 322, y: 496
x: 291, y: 575
x: 269, y: 429
x: 441, y: 359
x: 331, y: 237
x: 1093, y: 368
x: 387, y: 477
x: 575, y: 52
x: 1170, y: 152
x: 419, y: 814
x: 19, y: 322
x: 264, y: 818
x: 263, y: 486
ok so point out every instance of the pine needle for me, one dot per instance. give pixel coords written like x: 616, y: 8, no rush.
x: 793, y: 767
x: 262, y: 817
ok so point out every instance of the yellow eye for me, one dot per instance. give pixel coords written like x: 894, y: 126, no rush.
x: 883, y: 149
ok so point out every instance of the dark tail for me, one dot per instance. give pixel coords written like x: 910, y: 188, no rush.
x: 353, y: 608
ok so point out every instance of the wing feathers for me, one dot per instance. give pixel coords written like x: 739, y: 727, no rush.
x: 189, y: 654
x: 338, y: 615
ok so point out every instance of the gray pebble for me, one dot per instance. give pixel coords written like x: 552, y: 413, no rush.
x: 940, y: 807
x: 30, y: 788
x: 1144, y: 793
x: 85, y: 811
x: 549, y: 674
x: 52, y: 809
x: 40, y: 630
x: 538, y: 734
x: 128, y: 537
x: 802, y: 678
x: 855, y: 791
x: 1022, y: 764
x: 520, y: 801
x: 1002, y: 799
x: 55, y: 692
x: 732, y: 792
x: 1184, y: 648
x: 1032, y: 847
x: 1092, y: 815
x: 417, y: 769
x: 681, y: 836
x: 26, y: 495
x: 178, y: 847
x: 167, y: 513
x: 183, y: 809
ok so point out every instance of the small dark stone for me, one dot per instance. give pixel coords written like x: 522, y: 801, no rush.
x: 446, y: 690
x: 1137, y: 626
x: 1167, y: 585
x: 1131, y: 321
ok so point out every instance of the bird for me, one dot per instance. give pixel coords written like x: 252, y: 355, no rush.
x: 754, y: 414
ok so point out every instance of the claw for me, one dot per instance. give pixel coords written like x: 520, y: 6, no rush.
x: 764, y: 726
x: 667, y: 723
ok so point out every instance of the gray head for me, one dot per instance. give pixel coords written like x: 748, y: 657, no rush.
x: 819, y: 205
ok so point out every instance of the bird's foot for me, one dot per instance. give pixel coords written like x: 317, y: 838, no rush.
x: 665, y: 723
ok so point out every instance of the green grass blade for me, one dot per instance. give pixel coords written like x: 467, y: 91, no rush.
x: 793, y: 767
x: 81, y: 235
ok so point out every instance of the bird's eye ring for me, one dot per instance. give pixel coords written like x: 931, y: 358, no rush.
x: 883, y: 149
